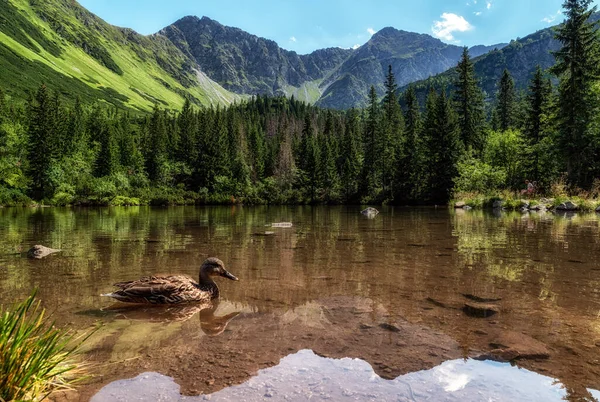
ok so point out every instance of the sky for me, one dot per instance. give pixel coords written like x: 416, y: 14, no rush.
x: 308, y: 25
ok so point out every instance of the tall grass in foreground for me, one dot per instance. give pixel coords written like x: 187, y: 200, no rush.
x: 35, y: 357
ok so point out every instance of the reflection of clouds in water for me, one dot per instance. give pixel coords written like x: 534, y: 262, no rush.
x: 304, y: 376
x: 446, y: 374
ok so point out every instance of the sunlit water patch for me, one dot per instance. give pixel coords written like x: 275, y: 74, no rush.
x: 306, y: 376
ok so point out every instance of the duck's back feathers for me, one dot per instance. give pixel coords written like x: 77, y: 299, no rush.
x: 161, y: 290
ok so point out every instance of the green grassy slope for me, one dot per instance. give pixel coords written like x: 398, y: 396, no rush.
x: 59, y: 43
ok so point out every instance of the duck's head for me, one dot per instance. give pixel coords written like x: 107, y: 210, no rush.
x: 214, y: 267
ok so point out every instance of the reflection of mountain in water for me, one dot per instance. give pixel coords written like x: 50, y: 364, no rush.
x: 304, y: 375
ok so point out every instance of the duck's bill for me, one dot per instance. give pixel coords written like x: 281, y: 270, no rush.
x: 231, y: 276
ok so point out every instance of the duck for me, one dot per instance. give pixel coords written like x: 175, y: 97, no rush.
x: 174, y: 289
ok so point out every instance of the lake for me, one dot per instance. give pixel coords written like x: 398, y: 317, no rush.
x: 415, y: 303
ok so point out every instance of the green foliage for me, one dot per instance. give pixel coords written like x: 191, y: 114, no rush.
x: 469, y: 104
x: 578, y: 68
x: 476, y: 176
x: 505, y: 152
x: 35, y: 357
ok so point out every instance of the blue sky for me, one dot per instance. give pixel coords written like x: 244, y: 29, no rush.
x: 307, y: 25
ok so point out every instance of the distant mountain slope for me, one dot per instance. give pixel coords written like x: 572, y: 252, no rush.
x: 61, y: 44
x: 246, y: 64
x: 335, y: 77
x: 412, y: 57
x: 520, y: 57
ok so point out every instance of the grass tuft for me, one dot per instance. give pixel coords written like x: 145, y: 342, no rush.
x: 35, y: 357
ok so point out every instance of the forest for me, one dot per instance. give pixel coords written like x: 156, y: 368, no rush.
x: 398, y: 150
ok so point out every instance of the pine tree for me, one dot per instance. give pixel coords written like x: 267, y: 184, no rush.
x: 468, y: 99
x: 506, y: 101
x: 577, y: 67
x: 371, y: 175
x: 310, y: 158
x: 538, y: 101
x: 187, y: 150
x: 429, y: 136
x: 352, y: 155
x: 391, y: 137
x: 157, y: 151
x: 412, y: 145
x: 42, y: 143
x: 445, y: 149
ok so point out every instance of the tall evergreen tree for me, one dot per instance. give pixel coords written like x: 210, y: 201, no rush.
x: 371, y: 175
x: 310, y: 158
x: 469, y: 104
x: 413, y: 149
x: 187, y: 150
x: 352, y: 155
x: 391, y: 146
x: 538, y: 100
x: 577, y: 67
x: 157, y: 152
x: 506, y: 101
x: 443, y: 147
x: 42, y: 143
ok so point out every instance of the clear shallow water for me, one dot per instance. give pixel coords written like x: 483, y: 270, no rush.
x: 305, y: 376
x: 387, y: 290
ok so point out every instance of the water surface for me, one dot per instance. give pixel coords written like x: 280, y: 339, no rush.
x: 388, y: 290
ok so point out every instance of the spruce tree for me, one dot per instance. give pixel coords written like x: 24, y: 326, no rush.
x: 446, y: 149
x: 538, y: 101
x: 577, y: 67
x: 157, y: 151
x: 412, y: 145
x: 352, y: 155
x: 469, y: 105
x: 371, y: 175
x: 309, y: 158
x: 187, y: 149
x: 506, y: 101
x: 42, y: 143
x: 391, y: 135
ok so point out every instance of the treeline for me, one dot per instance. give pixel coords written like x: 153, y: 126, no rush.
x: 277, y: 150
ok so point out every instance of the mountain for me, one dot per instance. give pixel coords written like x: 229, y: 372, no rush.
x: 412, y: 56
x: 61, y: 44
x: 335, y: 78
x: 246, y: 64
x: 520, y: 57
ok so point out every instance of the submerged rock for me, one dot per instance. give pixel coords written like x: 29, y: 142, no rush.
x: 480, y: 310
x: 479, y: 299
x: 39, y: 251
x: 370, y: 212
x: 282, y: 225
x: 568, y: 206
x: 510, y: 345
x: 498, y: 204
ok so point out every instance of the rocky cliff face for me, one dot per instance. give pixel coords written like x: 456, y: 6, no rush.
x: 246, y: 64
x: 412, y: 57
x: 335, y: 78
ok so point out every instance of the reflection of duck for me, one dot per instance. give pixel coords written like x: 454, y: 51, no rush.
x: 175, y: 288
x: 212, y: 325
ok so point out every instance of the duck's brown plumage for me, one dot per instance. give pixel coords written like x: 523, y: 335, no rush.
x: 174, y: 288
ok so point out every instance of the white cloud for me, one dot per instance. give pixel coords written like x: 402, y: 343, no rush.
x: 356, y: 46
x: 551, y: 18
x: 293, y: 39
x: 371, y: 31
x: 449, y: 24
x: 489, y: 4
x: 478, y: 13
